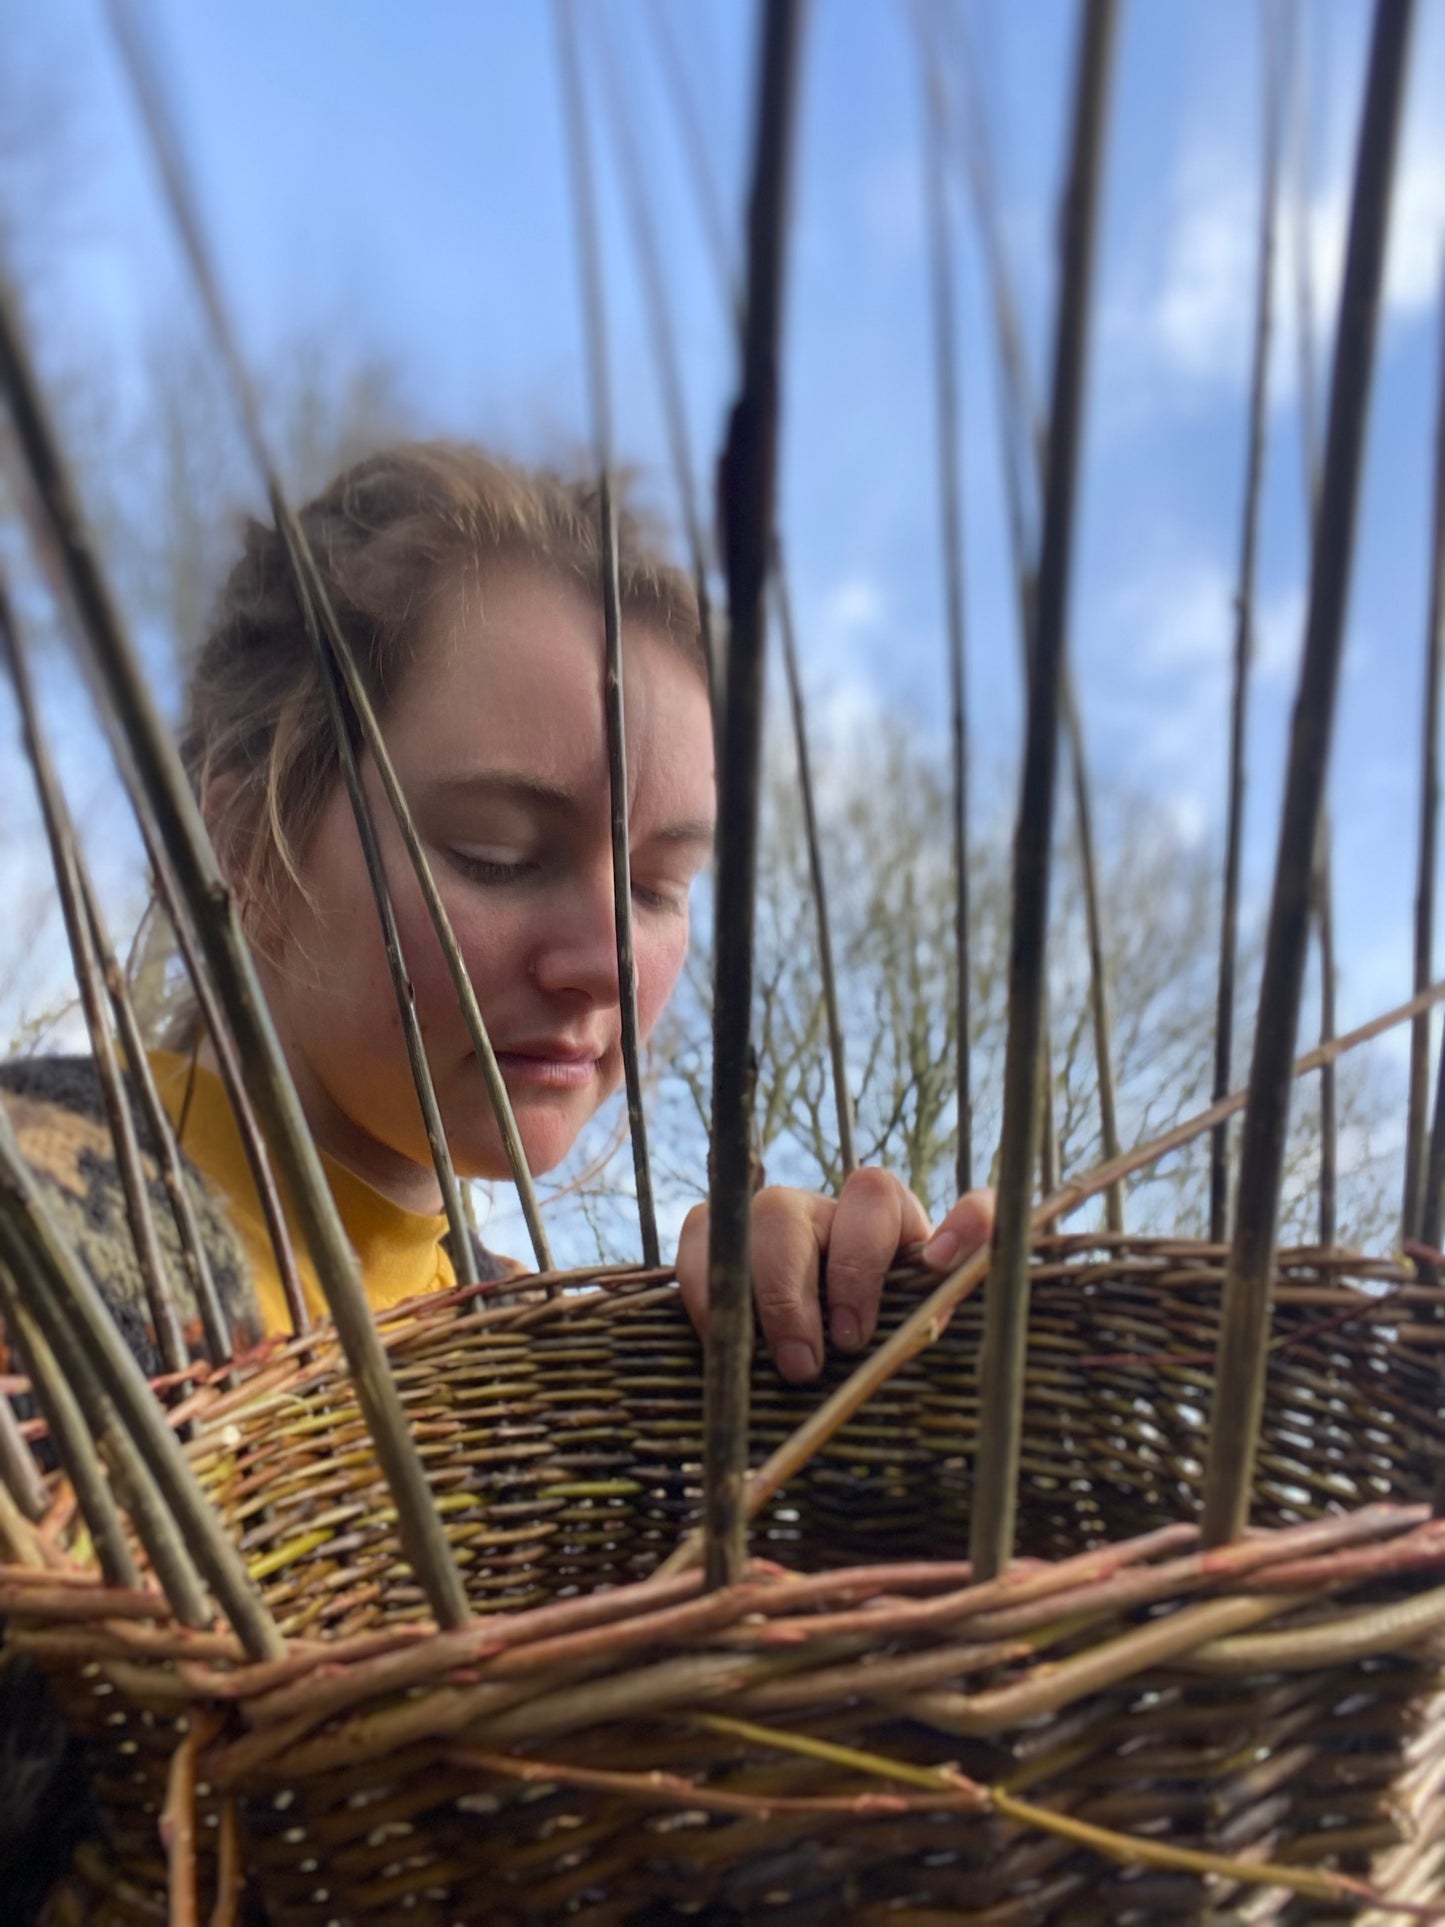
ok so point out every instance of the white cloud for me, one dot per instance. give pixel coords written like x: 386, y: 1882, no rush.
x: 1191, y: 311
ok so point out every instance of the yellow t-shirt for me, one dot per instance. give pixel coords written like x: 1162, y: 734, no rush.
x: 400, y: 1251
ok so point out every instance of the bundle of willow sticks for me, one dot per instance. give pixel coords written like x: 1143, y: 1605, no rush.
x: 1108, y: 1586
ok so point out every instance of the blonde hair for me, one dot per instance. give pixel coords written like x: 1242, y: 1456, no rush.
x: 396, y: 537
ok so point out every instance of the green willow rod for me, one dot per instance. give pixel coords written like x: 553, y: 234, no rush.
x: 65, y: 862
x: 705, y: 192
x: 1322, y: 897
x: 1239, y: 1375
x: 1273, y: 91
x: 747, y: 489
x: 950, y: 507
x: 311, y: 585
x: 1001, y: 1366
x: 178, y: 821
x: 594, y: 319
x: 1024, y: 444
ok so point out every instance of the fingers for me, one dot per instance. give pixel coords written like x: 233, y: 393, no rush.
x: 692, y: 1266
x: 967, y: 1227
x: 876, y: 1214
x: 790, y: 1229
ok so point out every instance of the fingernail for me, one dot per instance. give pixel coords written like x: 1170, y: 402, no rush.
x: 942, y: 1248
x: 796, y: 1360
x: 847, y: 1330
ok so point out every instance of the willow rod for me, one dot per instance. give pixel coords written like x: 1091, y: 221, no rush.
x: 178, y: 821
x: 705, y: 190
x: 663, y: 334
x: 1273, y: 87
x: 950, y: 508
x: 1415, y: 1160
x: 747, y: 484
x: 309, y: 581
x: 65, y: 861
x: 594, y: 317
x: 1001, y: 1367
x: 1023, y: 444
x: 1322, y: 893
x: 74, y: 1446
x: 1240, y: 1365
x: 694, y: 147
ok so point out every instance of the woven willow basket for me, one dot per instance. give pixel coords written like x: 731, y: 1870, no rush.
x: 853, y: 1734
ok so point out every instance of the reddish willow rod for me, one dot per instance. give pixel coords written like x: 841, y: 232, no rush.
x: 747, y: 485
x: 1273, y: 90
x: 594, y: 312
x: 1238, y: 1400
x: 1001, y: 1369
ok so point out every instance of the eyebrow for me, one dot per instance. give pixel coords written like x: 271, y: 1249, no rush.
x: 552, y: 796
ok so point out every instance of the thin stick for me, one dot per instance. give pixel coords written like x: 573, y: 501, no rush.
x: 66, y: 863
x: 1006, y: 1318
x: 747, y: 483
x: 214, y: 1321
x: 228, y: 954
x: 1322, y: 902
x: 1321, y: 892
x: 663, y: 333
x: 1272, y: 89
x: 74, y: 1446
x: 1239, y: 1373
x: 1023, y: 444
x: 928, y: 1322
x: 689, y: 124
x: 1429, y: 819
x: 253, y: 1142
x: 945, y: 366
x: 309, y: 582
x: 19, y: 1473
x: 843, y: 1102
x: 594, y: 311
x: 458, y: 1229
x: 705, y: 187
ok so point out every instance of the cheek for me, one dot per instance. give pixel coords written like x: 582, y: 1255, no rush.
x: 660, y: 956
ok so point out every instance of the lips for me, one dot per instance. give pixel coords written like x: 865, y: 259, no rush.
x: 550, y: 1063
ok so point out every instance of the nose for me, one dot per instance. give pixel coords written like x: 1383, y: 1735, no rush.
x: 576, y: 950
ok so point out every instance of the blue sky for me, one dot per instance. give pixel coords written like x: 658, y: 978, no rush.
x: 397, y: 173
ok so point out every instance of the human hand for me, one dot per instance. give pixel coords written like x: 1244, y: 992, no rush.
x: 859, y: 1232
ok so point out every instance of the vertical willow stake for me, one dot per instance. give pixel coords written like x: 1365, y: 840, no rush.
x: 747, y: 486
x: 945, y: 360
x: 65, y: 861
x: 1001, y: 1367
x: 705, y: 190
x: 600, y: 385
x: 311, y: 589
x: 1429, y: 817
x: 1244, y: 1335
x: 1024, y: 444
x: 660, y: 327
x: 1273, y: 88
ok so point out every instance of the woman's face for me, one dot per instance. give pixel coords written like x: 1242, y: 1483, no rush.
x: 499, y: 741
